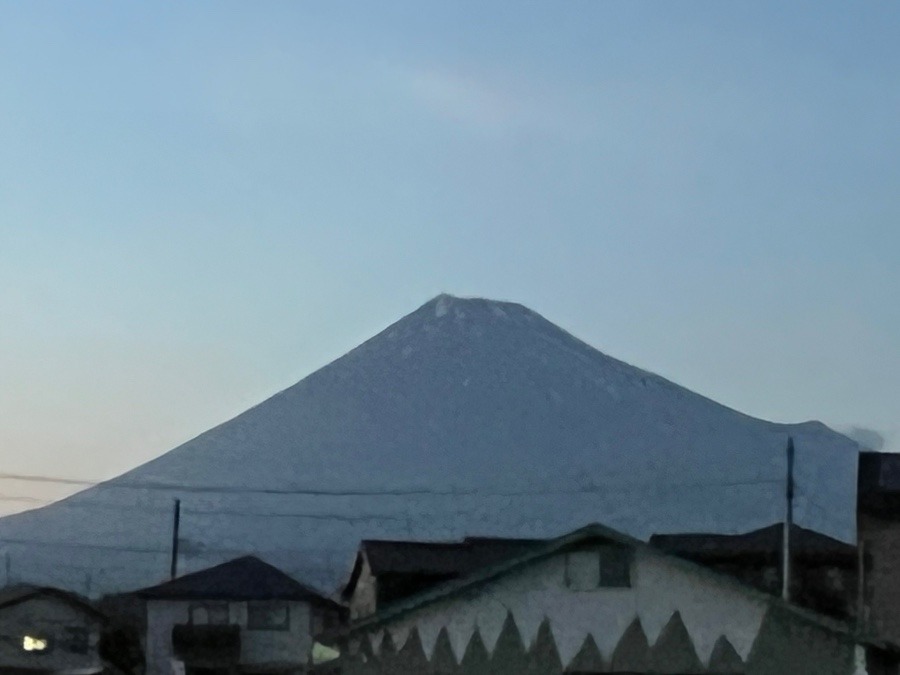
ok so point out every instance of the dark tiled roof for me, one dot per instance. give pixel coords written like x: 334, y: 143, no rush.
x: 763, y: 542
x: 247, y: 578
x: 435, y: 559
x: 12, y: 595
x: 409, y: 557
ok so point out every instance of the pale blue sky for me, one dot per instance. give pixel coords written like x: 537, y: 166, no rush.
x: 200, y: 203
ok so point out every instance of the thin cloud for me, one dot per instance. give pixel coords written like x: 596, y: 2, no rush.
x: 463, y: 99
x: 485, y: 104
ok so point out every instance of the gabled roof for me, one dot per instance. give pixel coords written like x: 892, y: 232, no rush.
x: 247, y: 578
x: 438, y: 559
x: 765, y: 542
x: 13, y: 595
x: 589, y: 534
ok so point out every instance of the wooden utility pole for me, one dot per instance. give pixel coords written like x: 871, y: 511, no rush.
x: 175, y: 525
x: 788, y: 524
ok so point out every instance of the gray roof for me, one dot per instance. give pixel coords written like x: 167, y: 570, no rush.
x: 765, y: 542
x: 409, y: 557
x: 13, y: 595
x: 436, y: 559
x: 247, y: 578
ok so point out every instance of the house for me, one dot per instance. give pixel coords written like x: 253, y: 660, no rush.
x: 598, y: 601
x: 243, y: 616
x: 385, y: 571
x: 878, y: 533
x: 824, y: 571
x: 48, y: 631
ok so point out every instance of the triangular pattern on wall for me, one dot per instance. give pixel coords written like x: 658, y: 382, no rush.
x: 673, y: 653
x: 361, y: 662
x: 475, y: 660
x: 509, y: 656
x: 443, y: 661
x: 674, y: 650
x: 411, y: 659
x: 543, y: 656
x: 588, y: 659
x: 632, y: 654
x: 725, y: 659
x: 387, y: 655
x: 375, y: 640
x: 365, y: 650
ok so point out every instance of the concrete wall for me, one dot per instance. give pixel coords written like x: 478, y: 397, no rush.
x: 257, y: 646
x: 44, y: 616
x: 671, y: 620
x: 364, y: 600
x: 880, y: 538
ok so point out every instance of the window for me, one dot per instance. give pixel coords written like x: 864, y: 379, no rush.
x: 268, y: 615
x: 209, y: 613
x: 615, y: 567
x: 607, y: 567
x: 76, y: 639
x: 36, y: 644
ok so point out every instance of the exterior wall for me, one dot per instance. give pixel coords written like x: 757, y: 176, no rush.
x: 827, y: 588
x: 363, y: 602
x: 880, y: 538
x: 671, y: 620
x: 708, y: 609
x: 49, y: 617
x: 790, y: 646
x: 257, y: 646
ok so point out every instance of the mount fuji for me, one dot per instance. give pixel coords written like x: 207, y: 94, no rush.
x: 466, y: 417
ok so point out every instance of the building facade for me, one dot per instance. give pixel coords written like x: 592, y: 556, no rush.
x: 244, y: 616
x: 386, y: 571
x: 597, y: 601
x: 878, y: 532
x: 824, y: 571
x: 50, y: 631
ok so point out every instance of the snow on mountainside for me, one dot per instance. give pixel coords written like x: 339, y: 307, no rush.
x: 467, y: 416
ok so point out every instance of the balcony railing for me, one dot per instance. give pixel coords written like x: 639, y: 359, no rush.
x: 211, y: 646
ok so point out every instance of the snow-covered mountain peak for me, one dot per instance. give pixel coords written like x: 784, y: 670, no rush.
x: 466, y: 417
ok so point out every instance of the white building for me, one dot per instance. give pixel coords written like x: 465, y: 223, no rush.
x: 243, y: 616
x: 598, y: 601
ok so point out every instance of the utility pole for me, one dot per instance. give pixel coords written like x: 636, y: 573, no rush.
x: 175, y: 525
x: 861, y: 623
x: 788, y: 524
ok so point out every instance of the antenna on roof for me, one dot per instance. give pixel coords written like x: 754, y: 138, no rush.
x: 788, y: 524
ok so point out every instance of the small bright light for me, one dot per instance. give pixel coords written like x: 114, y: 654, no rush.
x: 33, y: 644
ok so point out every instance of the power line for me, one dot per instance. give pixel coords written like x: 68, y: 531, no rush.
x: 36, y: 478
x: 319, y: 492
x: 23, y: 498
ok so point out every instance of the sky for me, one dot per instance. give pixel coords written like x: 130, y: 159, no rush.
x: 201, y: 203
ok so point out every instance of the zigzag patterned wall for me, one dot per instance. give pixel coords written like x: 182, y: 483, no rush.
x: 784, y: 645
x: 673, y: 652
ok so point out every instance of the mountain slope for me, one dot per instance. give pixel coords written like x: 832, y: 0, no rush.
x: 467, y: 416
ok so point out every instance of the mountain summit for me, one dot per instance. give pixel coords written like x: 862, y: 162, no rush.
x: 466, y: 417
